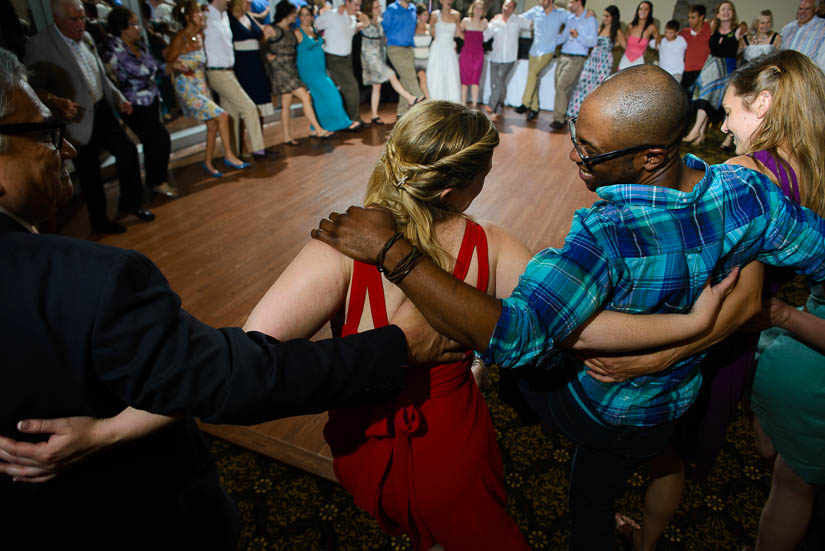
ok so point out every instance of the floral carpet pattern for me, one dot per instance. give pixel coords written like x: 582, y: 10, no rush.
x: 283, y: 508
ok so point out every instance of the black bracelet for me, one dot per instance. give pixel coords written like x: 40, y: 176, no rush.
x: 379, y: 260
x: 405, y: 266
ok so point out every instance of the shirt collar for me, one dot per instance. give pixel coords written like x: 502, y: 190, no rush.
x: 658, y: 196
x: 71, y: 42
x: 29, y: 228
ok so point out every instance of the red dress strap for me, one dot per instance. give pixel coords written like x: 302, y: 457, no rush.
x: 474, y: 240
x: 365, y: 279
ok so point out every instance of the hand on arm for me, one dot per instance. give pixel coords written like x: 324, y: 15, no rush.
x: 742, y: 304
x: 809, y: 328
x: 615, y: 332
x: 71, y: 440
x: 452, y: 307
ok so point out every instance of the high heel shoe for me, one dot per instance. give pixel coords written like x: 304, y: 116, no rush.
x: 212, y: 173
x: 233, y: 165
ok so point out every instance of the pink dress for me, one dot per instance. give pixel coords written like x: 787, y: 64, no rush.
x: 471, y: 58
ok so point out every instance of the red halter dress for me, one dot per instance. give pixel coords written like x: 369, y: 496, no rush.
x: 426, y: 464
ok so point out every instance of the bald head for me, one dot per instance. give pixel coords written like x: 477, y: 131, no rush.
x: 640, y: 105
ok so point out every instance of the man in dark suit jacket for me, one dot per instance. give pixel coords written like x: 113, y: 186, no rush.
x: 68, y: 74
x: 89, y: 330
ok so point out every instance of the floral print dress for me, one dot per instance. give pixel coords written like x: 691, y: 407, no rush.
x: 193, y: 94
x: 596, y: 69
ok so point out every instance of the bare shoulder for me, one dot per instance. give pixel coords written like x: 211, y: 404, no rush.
x: 500, y: 240
x: 743, y: 160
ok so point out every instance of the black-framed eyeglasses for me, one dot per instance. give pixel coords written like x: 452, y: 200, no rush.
x: 601, y: 157
x: 53, y: 127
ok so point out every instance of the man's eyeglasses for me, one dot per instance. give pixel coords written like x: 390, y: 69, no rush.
x: 601, y: 157
x: 54, y: 128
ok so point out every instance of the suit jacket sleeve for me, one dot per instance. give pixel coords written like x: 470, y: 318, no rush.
x: 157, y: 357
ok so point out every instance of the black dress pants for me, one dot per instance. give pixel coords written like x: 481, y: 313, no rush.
x: 145, y: 122
x: 109, y: 135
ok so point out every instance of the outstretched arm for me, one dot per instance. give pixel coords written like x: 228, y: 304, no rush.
x: 806, y: 326
x: 610, y: 331
x: 71, y: 440
x: 742, y: 304
x: 304, y: 297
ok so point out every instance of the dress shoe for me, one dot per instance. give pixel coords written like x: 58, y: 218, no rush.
x: 107, y: 226
x: 141, y: 212
x: 521, y: 109
x: 532, y: 115
x: 166, y: 190
x: 212, y: 173
x: 556, y: 126
x: 230, y: 164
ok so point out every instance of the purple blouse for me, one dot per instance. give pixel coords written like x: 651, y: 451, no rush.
x: 135, y: 75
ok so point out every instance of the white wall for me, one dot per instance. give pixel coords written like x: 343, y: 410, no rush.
x: 783, y: 11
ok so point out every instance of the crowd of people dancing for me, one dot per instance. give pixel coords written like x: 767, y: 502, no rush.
x: 664, y: 289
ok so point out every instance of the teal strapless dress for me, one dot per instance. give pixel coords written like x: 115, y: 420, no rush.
x: 326, y: 100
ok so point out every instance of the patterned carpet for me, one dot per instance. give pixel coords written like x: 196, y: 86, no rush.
x: 285, y: 508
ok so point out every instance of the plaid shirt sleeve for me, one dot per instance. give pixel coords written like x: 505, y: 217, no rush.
x: 559, y: 290
x: 795, y: 237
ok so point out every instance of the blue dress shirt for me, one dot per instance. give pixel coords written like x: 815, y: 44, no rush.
x: 399, y: 25
x: 546, y: 28
x: 588, y: 34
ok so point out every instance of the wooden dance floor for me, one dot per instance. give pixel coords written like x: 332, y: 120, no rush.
x: 226, y: 240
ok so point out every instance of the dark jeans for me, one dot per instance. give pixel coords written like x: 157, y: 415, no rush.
x: 109, y: 135
x: 605, y: 456
x: 146, y: 123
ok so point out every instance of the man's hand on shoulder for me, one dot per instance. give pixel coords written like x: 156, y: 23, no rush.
x: 360, y: 233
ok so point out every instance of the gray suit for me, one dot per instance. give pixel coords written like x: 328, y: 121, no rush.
x: 55, y: 69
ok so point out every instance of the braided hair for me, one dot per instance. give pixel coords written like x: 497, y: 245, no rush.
x: 436, y: 146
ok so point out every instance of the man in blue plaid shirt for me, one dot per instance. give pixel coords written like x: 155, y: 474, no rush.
x: 664, y: 227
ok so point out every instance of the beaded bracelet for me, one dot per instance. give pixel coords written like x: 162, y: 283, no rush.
x: 379, y: 260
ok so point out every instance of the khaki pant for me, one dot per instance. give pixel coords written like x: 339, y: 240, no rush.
x: 236, y: 103
x: 403, y: 60
x: 535, y: 65
x: 568, y: 69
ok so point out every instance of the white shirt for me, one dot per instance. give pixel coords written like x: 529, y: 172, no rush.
x: 217, y: 40
x: 671, y: 54
x: 505, y: 37
x: 338, y: 30
x: 87, y: 61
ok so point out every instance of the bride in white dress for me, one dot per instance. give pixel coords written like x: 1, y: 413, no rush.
x: 443, y: 78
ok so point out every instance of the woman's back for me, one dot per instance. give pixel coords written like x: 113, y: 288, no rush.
x: 450, y: 234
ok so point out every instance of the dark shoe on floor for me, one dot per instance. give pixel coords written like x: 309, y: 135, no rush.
x: 107, y: 226
x: 521, y: 109
x: 532, y: 115
x: 556, y: 126
x: 377, y: 121
x: 141, y: 212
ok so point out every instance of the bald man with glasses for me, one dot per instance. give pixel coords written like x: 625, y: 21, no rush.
x: 663, y: 228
